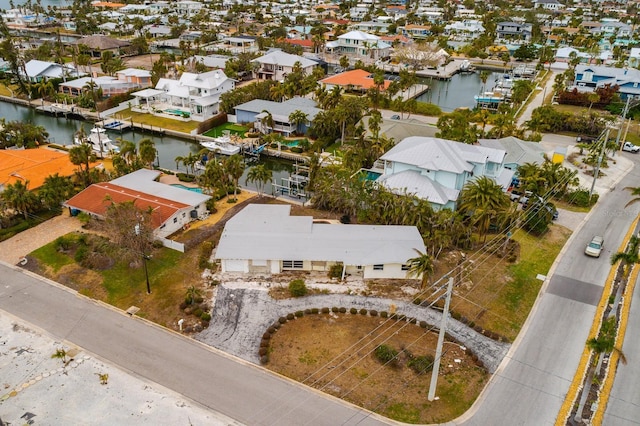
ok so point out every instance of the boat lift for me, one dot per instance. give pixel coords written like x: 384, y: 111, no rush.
x: 294, y: 185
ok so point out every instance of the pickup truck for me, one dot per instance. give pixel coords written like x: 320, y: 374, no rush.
x: 629, y: 147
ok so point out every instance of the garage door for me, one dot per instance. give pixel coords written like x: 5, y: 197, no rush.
x: 234, y: 265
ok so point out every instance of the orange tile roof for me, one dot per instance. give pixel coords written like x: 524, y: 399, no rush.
x: 33, y: 165
x: 98, y: 197
x: 303, y: 43
x: 357, y: 78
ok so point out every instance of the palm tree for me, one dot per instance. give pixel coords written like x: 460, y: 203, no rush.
x: 261, y: 175
x: 483, y: 200
x: 421, y: 266
x: 635, y: 191
x: 628, y: 257
x: 18, y: 197
x: 192, y: 294
x: 82, y: 156
x: 484, y: 76
x: 55, y: 190
x: 267, y: 122
x: 148, y: 152
x: 297, y: 118
x: 234, y: 167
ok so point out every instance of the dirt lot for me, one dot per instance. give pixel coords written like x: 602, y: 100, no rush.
x: 300, y: 349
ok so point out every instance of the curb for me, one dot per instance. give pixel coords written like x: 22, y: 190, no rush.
x: 578, y: 378
x: 605, y: 390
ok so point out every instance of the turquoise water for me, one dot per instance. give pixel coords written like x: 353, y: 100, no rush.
x: 175, y: 111
x: 177, y: 185
x: 372, y: 175
x: 291, y: 144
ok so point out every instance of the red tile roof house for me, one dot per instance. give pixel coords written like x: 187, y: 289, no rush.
x: 173, y: 207
x: 361, y: 80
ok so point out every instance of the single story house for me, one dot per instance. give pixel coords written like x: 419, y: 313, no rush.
x: 40, y: 70
x: 254, y: 112
x: 437, y: 169
x: 265, y: 238
x: 518, y: 151
x: 99, y: 43
x: 172, y: 207
x: 124, y: 81
x: 354, y: 80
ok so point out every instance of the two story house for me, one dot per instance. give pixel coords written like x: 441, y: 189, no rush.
x: 276, y: 64
x: 437, y: 169
x: 590, y: 77
x: 257, y: 110
x: 359, y: 45
x: 513, y: 32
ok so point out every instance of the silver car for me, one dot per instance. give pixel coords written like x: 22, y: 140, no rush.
x: 595, y: 246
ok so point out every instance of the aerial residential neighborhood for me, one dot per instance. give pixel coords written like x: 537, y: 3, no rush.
x: 313, y: 212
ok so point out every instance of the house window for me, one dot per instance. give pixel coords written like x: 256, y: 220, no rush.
x: 175, y: 220
x: 406, y: 267
x: 359, y: 267
x: 379, y: 267
x: 292, y: 264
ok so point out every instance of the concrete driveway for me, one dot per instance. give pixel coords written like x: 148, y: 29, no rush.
x: 17, y: 247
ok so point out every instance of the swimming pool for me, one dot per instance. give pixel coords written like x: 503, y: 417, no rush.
x: 178, y: 185
x: 176, y: 112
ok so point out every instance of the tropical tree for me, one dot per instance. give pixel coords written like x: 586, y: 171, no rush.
x: 234, y: 167
x: 55, y: 190
x: 267, y: 122
x: 148, y: 152
x: 82, y: 156
x: 628, y: 257
x: 456, y: 126
x: 261, y: 175
x: 483, y: 200
x: 421, y: 266
x: 18, y: 197
x: 297, y: 118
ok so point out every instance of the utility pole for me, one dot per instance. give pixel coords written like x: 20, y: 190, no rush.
x: 597, y: 168
x: 624, y: 116
x: 443, y: 326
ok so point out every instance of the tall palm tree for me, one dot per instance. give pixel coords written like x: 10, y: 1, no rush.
x: 267, y: 122
x: 297, y: 118
x: 628, y: 257
x: 148, y: 152
x: 234, y: 167
x: 82, y: 156
x: 55, y: 190
x: 421, y: 266
x: 483, y: 200
x: 261, y: 175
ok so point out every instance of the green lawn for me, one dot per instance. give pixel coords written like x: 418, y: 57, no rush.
x: 52, y: 257
x: 234, y: 129
x: 160, y: 122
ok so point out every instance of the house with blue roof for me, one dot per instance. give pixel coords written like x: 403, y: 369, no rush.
x: 590, y: 77
x: 257, y: 110
x: 437, y: 169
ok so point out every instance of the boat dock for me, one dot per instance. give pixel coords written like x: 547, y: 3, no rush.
x: 113, y: 124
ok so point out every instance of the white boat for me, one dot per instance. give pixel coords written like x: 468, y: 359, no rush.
x: 221, y: 145
x: 99, y: 141
x: 465, y: 66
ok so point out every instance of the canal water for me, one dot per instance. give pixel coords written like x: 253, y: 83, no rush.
x: 458, y: 92
x: 61, y: 131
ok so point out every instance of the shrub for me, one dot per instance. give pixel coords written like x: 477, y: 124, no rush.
x: 183, y: 306
x: 282, y: 320
x: 335, y: 271
x: 297, y: 288
x: 307, y: 311
x: 425, y: 108
x: 363, y: 311
x: 423, y: 324
x: 266, y: 335
x: 205, y: 316
x: 264, y: 359
x: 290, y: 317
x: 343, y: 310
x: 353, y: 311
x: 421, y: 364
x: 417, y: 301
x: 205, y: 253
x: 335, y: 309
x: 183, y: 177
x: 314, y: 310
x: 81, y: 254
x: 296, y: 150
x: 262, y: 351
x: 384, y: 314
x: 198, y: 312
x: 373, y: 313
x: 299, y: 314
x: 325, y: 310
x: 271, y: 329
x: 62, y: 243
x: 386, y: 354
x: 412, y: 320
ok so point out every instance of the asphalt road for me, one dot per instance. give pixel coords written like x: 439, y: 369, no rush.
x: 217, y: 381
x: 530, y: 386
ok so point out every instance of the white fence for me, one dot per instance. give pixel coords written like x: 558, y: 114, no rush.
x: 174, y: 245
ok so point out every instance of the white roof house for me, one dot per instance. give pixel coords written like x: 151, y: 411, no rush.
x: 276, y: 64
x: 437, y: 169
x: 518, y: 151
x: 37, y: 70
x: 267, y: 239
x: 360, y: 45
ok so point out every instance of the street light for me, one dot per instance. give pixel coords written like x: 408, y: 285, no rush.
x: 144, y: 260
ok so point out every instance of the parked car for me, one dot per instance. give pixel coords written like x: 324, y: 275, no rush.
x: 594, y: 248
x: 519, y: 196
x: 395, y: 117
x: 629, y: 147
x: 585, y: 139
